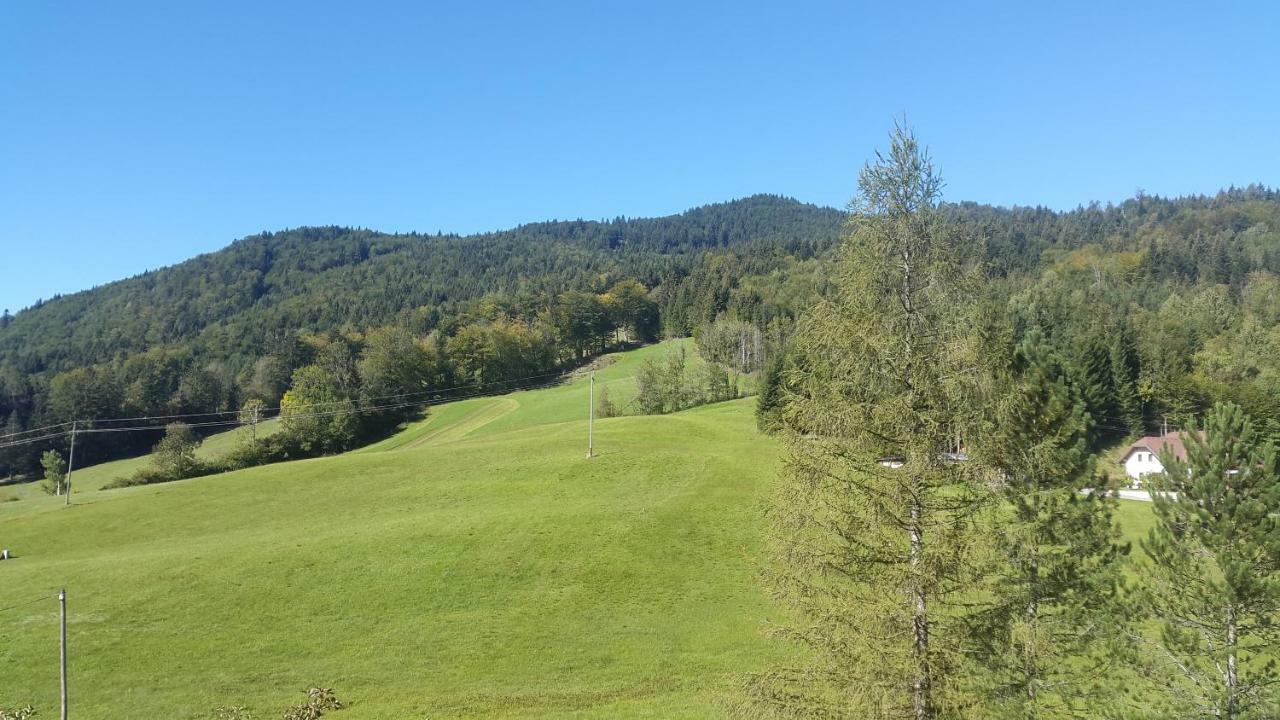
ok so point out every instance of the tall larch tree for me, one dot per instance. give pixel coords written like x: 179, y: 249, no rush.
x: 874, y: 515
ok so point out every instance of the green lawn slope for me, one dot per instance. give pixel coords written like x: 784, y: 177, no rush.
x: 485, y: 573
x: 93, y: 478
x: 476, y: 564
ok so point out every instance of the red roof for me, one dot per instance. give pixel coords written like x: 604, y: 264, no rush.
x: 1173, y: 442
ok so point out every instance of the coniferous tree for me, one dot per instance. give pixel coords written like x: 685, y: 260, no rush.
x: 10, y: 456
x: 1125, y: 367
x: 769, y: 401
x: 871, y: 554
x: 1092, y: 375
x: 1213, y: 582
x: 1053, y: 626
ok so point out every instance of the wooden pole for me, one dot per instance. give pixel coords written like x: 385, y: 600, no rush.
x: 62, y: 602
x: 591, y: 416
x: 71, y: 462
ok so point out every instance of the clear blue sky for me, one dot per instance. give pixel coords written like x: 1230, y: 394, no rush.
x: 136, y: 134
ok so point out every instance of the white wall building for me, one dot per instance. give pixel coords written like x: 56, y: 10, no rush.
x: 1142, y: 458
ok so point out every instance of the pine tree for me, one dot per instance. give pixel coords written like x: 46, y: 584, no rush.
x: 1054, y: 624
x: 1125, y: 367
x: 870, y: 555
x: 9, y: 456
x: 1092, y: 375
x: 769, y: 401
x: 1214, y: 577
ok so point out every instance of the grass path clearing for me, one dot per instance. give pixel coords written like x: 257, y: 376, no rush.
x: 449, y: 423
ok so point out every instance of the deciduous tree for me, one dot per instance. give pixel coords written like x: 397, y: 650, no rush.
x: 871, y: 554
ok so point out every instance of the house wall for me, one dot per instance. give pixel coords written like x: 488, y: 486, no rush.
x: 1142, y: 462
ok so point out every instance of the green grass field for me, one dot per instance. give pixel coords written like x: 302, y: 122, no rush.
x: 485, y: 572
x: 91, y: 479
x: 476, y: 564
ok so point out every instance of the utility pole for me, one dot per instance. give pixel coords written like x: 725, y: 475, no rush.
x: 591, y: 416
x: 62, y: 602
x: 71, y: 462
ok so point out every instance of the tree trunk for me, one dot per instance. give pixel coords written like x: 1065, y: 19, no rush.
x: 1030, y: 665
x: 1233, y: 682
x: 1031, y: 670
x: 922, y: 685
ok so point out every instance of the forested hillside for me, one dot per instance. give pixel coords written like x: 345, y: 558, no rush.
x: 224, y: 328
x: 231, y: 303
x: 1159, y: 305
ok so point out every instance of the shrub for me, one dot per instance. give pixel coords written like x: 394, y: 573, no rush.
x: 667, y: 385
x: 260, y: 452
x: 175, y: 455
x: 55, y: 472
x: 604, y: 406
x: 23, y: 713
x: 143, y: 476
x: 318, y: 701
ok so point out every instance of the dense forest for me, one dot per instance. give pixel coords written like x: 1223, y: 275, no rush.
x: 210, y: 334
x: 1159, y: 306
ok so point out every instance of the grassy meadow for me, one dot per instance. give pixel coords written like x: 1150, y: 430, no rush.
x: 476, y: 572
x: 476, y: 564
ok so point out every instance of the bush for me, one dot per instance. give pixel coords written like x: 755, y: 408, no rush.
x: 55, y: 472
x: 143, y: 476
x: 667, y: 385
x: 175, y: 455
x: 604, y: 406
x: 318, y: 701
x: 260, y: 452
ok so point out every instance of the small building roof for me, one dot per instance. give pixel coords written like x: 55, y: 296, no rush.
x: 1174, y: 442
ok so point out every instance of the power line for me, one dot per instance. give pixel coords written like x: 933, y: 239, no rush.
x: 33, y: 430
x: 216, y: 413
x: 29, y: 441
x: 435, y: 391
x: 330, y: 413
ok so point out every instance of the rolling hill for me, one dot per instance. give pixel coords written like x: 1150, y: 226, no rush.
x: 230, y: 304
x: 476, y: 564
x: 491, y: 571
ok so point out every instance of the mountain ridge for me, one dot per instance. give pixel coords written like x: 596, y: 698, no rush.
x: 301, y: 271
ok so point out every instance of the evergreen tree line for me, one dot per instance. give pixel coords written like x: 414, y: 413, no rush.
x: 941, y: 544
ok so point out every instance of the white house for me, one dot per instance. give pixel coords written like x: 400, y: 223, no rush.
x: 1143, y: 457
